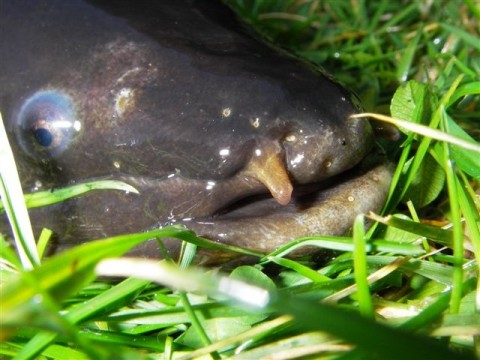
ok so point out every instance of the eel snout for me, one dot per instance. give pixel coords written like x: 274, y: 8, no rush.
x: 307, y: 155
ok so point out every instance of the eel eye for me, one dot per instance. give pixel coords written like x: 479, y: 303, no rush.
x: 46, y: 124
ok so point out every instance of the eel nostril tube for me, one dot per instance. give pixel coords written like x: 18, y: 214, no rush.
x: 267, y: 166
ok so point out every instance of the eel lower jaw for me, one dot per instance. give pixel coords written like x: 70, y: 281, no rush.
x: 264, y: 225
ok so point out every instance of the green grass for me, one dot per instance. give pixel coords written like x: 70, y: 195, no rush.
x: 407, y: 288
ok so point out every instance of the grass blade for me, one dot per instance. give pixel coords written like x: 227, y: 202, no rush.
x: 12, y: 195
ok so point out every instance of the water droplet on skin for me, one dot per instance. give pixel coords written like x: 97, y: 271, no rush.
x: 224, y: 152
x: 37, y: 185
x: 298, y: 159
x: 210, y: 185
x: 116, y: 164
x: 351, y: 198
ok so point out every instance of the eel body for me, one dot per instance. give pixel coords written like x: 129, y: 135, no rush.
x: 215, y: 129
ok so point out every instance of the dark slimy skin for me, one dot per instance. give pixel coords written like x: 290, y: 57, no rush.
x: 176, y: 99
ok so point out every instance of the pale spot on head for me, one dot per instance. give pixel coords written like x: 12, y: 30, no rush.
x: 291, y: 138
x: 124, y: 101
x: 255, y: 122
x: 226, y: 112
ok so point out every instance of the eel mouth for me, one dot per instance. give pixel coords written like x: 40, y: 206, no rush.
x: 261, y: 223
x: 241, y: 212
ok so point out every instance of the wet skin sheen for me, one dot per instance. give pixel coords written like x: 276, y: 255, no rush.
x: 216, y: 130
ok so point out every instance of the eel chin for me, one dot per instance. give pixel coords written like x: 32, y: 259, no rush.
x: 261, y: 224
